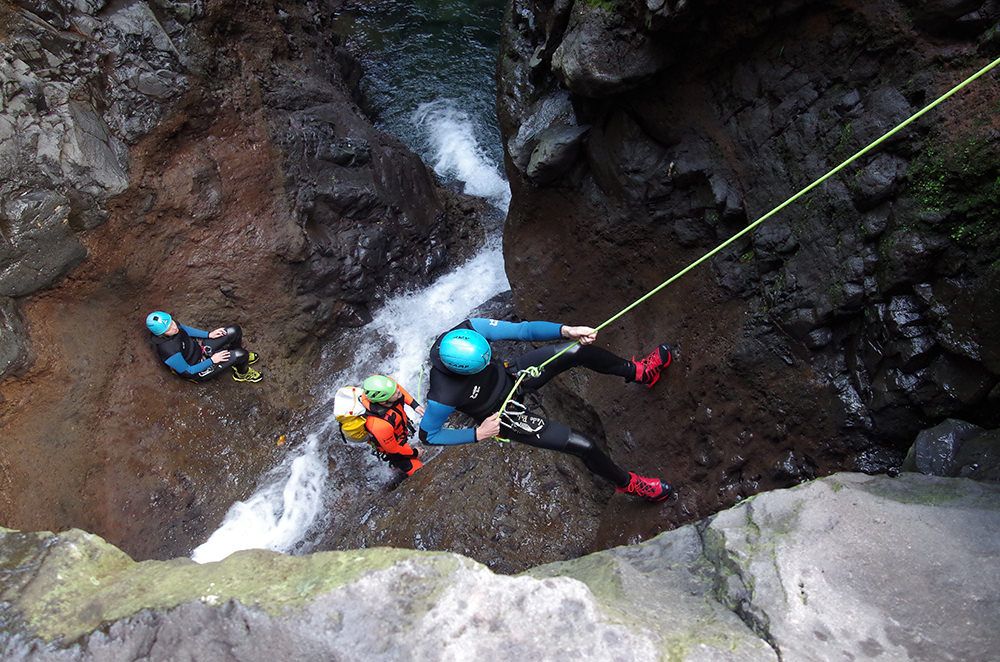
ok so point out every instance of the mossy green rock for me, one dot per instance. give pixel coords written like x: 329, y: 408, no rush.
x: 849, y: 566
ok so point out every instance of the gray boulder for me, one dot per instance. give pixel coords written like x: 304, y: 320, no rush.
x: 599, y: 56
x: 877, y: 181
x: 555, y: 152
x: 978, y: 458
x: 552, y: 111
x: 40, y: 245
x: 859, y: 567
x: 13, y: 341
x: 955, y: 448
x: 837, y: 568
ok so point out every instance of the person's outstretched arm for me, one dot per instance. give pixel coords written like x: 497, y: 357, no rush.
x: 501, y: 330
x: 433, y: 431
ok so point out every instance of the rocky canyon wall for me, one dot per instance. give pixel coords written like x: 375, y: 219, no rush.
x: 210, y: 159
x: 640, y: 135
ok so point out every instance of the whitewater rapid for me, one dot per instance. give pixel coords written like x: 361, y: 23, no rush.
x: 290, y: 499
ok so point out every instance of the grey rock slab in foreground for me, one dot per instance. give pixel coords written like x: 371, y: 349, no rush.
x: 863, y: 567
x: 846, y: 567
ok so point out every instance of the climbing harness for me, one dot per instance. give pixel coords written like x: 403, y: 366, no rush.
x: 519, y: 419
x: 869, y: 148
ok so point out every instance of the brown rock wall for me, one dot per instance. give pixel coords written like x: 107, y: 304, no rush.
x: 222, y: 221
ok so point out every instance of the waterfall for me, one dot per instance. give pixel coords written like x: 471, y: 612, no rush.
x: 291, y: 498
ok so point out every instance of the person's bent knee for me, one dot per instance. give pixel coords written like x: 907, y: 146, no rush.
x: 234, y: 333
x: 579, y: 445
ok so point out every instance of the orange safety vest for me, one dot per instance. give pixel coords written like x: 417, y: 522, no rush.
x: 390, y: 426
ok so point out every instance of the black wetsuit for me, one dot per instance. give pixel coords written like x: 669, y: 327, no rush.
x: 481, y: 394
x: 189, y: 352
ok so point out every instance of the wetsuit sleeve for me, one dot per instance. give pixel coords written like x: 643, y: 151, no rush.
x: 386, y: 438
x: 500, y: 330
x: 193, y: 332
x: 433, y: 432
x: 408, y: 399
x: 182, y: 367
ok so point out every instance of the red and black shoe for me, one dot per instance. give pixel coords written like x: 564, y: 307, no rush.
x: 648, y: 368
x: 650, y: 489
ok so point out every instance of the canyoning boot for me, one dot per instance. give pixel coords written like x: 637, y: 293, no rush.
x: 253, y: 358
x: 250, y: 375
x: 648, y: 368
x: 650, y: 489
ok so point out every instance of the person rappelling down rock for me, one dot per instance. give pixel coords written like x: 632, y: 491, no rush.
x: 201, y: 355
x: 388, y: 424
x: 464, y: 376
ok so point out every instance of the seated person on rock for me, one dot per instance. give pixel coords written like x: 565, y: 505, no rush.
x: 465, y: 376
x: 388, y: 423
x: 201, y: 355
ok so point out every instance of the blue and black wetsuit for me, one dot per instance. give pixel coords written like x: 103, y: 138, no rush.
x: 481, y: 394
x: 189, y: 352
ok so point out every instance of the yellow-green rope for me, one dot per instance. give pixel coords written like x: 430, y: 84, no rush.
x: 871, y: 146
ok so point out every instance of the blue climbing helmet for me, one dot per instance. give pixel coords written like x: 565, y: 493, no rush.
x: 158, y: 322
x: 464, y: 351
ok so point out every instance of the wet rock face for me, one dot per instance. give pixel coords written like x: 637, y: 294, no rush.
x: 834, y: 333
x: 838, y: 566
x: 209, y: 159
x: 600, y: 55
x: 956, y: 448
x: 13, y: 341
x: 59, y: 159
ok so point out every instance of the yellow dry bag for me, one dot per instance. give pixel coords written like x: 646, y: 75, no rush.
x: 350, y: 413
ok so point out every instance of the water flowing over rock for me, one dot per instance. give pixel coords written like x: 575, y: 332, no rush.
x: 207, y: 158
x: 836, y: 567
x: 835, y: 332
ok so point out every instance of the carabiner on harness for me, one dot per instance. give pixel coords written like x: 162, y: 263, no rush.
x: 532, y: 371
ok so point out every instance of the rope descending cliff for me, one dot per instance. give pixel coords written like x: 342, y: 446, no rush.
x: 534, y: 371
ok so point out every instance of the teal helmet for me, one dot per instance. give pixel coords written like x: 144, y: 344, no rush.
x: 379, y: 388
x: 464, y: 351
x: 158, y: 322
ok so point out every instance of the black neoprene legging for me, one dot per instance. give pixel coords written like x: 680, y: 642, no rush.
x: 557, y: 436
x: 238, y: 357
x: 586, y: 356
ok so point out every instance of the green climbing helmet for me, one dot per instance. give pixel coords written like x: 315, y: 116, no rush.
x: 379, y: 388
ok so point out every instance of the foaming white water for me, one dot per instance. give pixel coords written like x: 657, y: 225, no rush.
x: 412, y: 321
x: 291, y: 499
x: 277, y: 514
x: 457, y: 154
